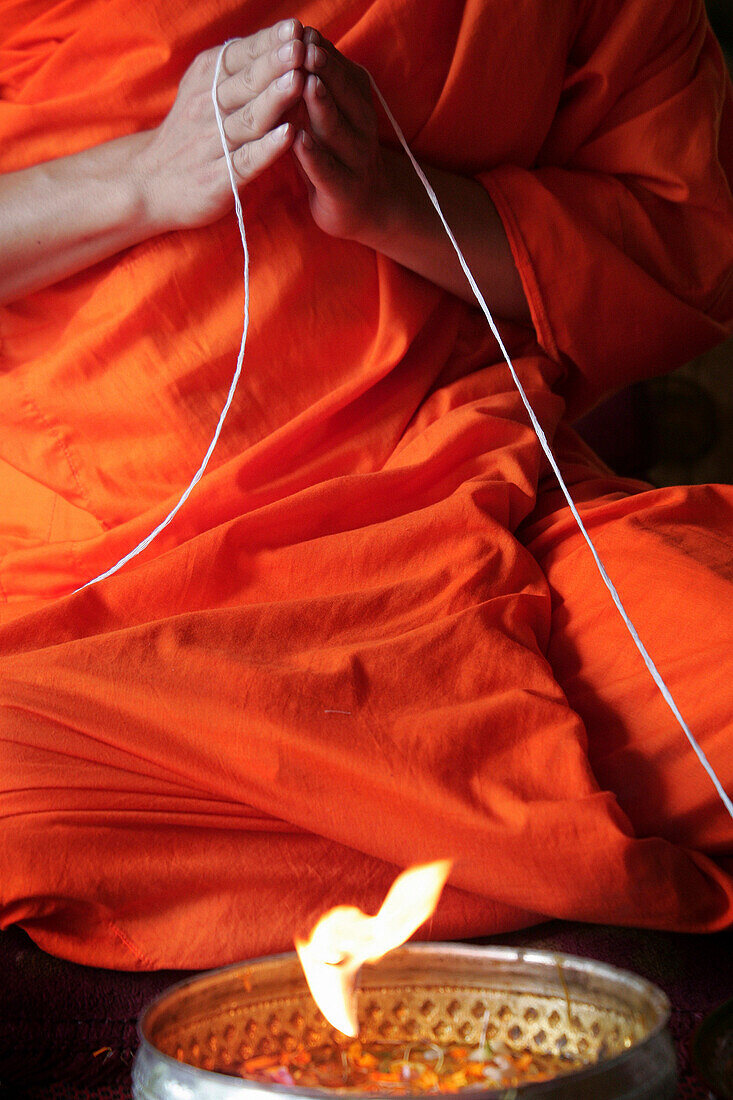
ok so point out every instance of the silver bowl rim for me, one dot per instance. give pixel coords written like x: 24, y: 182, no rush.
x: 656, y: 997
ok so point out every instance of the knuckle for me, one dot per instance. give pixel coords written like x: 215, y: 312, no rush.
x: 242, y: 161
x: 230, y: 129
x: 251, y: 47
x: 230, y: 55
x: 246, y: 80
x: 247, y: 118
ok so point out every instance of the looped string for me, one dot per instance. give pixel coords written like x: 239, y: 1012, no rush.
x: 654, y: 672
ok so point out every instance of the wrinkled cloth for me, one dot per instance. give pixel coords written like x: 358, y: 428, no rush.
x: 373, y: 636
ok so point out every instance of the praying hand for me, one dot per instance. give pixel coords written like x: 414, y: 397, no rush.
x: 60, y: 217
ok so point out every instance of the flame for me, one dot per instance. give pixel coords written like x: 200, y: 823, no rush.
x: 345, y: 938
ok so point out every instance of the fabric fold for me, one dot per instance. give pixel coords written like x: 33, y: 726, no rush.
x: 622, y: 225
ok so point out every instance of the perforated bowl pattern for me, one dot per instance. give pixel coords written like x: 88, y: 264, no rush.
x: 612, y: 1020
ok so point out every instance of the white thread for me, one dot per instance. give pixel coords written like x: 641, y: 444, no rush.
x: 666, y: 694
x: 199, y: 473
x: 661, y: 685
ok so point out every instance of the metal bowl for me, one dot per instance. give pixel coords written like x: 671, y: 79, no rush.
x: 198, y: 1032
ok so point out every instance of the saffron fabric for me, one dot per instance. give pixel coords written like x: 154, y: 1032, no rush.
x: 373, y: 636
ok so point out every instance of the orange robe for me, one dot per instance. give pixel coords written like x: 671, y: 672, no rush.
x: 373, y: 636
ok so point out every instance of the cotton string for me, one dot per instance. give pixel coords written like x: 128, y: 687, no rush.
x: 205, y: 462
x: 666, y: 694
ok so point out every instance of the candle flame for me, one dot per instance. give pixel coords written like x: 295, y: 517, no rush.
x: 345, y: 938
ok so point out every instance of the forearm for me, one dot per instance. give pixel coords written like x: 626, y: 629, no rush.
x: 409, y: 231
x: 63, y: 216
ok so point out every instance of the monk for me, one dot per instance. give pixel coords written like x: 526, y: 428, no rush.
x: 373, y: 635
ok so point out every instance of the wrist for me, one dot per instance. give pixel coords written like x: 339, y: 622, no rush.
x: 119, y: 185
x: 143, y: 178
x: 390, y: 206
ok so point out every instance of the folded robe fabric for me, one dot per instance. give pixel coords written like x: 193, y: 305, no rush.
x: 373, y: 635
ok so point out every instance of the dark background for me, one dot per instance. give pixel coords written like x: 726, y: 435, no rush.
x: 721, y: 16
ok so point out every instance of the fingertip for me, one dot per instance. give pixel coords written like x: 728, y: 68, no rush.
x: 302, y: 148
x: 289, y: 28
x: 315, y: 57
x: 302, y: 161
x: 314, y: 90
x: 288, y: 139
x: 311, y: 37
x: 282, y: 134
